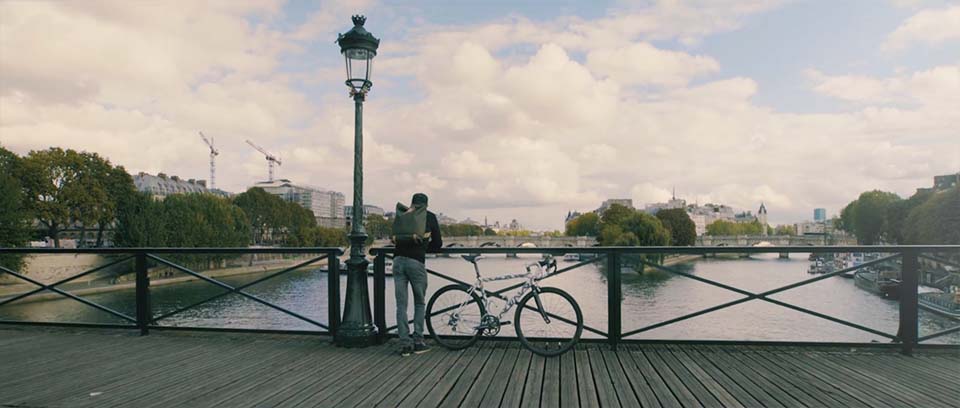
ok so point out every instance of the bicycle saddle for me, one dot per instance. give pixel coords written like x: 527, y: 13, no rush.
x: 472, y: 258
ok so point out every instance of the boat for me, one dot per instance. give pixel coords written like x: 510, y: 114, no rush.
x: 883, y: 282
x: 571, y: 257
x: 816, y: 267
x: 947, y: 304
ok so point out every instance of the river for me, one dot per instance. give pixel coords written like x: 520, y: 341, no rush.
x: 647, y: 298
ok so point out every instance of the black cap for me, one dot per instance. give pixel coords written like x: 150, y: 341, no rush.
x: 419, y: 199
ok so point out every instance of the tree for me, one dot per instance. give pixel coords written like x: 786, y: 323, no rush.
x: 584, y: 225
x: 936, y: 221
x: 378, y: 226
x: 785, y: 230
x: 869, y: 215
x: 489, y: 232
x: 724, y: 227
x: 53, y: 187
x: 14, y: 216
x: 623, y: 226
x: 683, y: 232
x: 895, y: 219
x: 261, y: 209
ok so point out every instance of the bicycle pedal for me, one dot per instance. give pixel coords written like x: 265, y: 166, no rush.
x: 506, y: 323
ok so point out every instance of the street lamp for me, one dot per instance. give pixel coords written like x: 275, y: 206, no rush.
x: 358, y: 47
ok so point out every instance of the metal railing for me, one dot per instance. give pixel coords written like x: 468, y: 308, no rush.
x: 145, y: 318
x: 907, y: 337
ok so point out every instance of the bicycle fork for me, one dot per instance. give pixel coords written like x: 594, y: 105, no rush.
x: 543, y: 312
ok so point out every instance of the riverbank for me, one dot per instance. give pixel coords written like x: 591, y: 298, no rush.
x: 159, y: 276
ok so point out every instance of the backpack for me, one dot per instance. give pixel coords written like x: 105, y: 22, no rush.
x: 410, y: 225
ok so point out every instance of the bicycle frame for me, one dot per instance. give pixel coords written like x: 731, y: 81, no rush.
x: 532, y: 276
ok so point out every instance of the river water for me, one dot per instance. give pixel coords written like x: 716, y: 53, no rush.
x: 648, y: 298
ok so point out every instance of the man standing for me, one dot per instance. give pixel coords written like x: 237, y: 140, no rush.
x: 408, y: 267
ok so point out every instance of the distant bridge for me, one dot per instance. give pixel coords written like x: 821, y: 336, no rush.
x: 583, y: 242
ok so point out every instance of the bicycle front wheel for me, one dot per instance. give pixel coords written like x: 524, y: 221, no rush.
x: 453, y: 317
x: 551, y: 326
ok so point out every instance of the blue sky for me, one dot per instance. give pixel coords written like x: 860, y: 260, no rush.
x: 504, y: 109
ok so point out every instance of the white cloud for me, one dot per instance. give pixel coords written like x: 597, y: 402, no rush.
x: 642, y: 63
x: 927, y: 27
x: 511, y: 119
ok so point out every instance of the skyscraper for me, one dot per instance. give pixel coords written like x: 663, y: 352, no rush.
x: 819, y: 214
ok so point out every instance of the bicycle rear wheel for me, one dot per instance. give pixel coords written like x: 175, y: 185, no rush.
x: 453, y: 317
x: 554, y: 334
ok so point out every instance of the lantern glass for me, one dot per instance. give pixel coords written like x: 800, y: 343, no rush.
x: 359, y: 65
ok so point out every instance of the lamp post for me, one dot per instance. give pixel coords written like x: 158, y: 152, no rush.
x: 356, y: 329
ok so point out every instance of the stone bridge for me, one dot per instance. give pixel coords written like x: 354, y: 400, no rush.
x: 582, y: 242
x: 514, y: 242
x: 774, y: 240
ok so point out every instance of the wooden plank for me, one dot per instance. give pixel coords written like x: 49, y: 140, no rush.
x: 75, y: 390
x: 386, y: 378
x: 748, y: 370
x: 866, y: 396
x: 81, y: 369
x: 568, y: 381
x: 533, y: 388
x: 895, y: 390
x: 906, y: 369
x: 550, y: 392
x: 323, y: 366
x: 410, y: 378
x: 606, y: 393
x: 693, y: 373
x: 586, y: 387
x: 711, y: 355
x: 680, y: 390
x: 488, y: 364
x: 638, y: 383
x: 807, y: 395
x: 687, y: 379
x: 711, y: 374
x: 498, y: 384
x: 476, y: 357
x: 482, y: 382
x: 446, y: 368
x: 360, y: 374
x: 204, y: 391
x: 822, y: 390
x: 621, y: 385
x: 513, y: 394
x: 660, y: 388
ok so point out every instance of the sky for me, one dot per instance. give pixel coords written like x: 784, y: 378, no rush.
x: 504, y: 109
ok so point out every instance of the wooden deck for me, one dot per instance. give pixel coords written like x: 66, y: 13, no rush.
x: 83, y: 368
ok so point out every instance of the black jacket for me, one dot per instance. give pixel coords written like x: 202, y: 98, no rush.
x: 419, y: 252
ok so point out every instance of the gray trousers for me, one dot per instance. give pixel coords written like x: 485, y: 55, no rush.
x: 412, y: 271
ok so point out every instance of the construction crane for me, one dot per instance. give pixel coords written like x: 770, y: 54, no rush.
x: 271, y: 159
x: 213, y: 153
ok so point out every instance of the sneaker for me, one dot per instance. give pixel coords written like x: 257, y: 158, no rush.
x: 406, y: 351
x: 420, y: 348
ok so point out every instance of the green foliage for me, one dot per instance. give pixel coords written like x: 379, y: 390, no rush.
x: 724, y: 227
x: 273, y: 220
x: 515, y: 233
x: 936, y: 220
x: 489, y: 232
x: 622, y: 226
x: 14, y: 217
x: 181, y: 220
x: 325, y: 237
x: 785, y: 230
x: 378, y: 226
x: 584, y: 225
x: 870, y: 216
x: 683, y: 231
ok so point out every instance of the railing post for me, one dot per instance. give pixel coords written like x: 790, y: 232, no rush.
x: 333, y: 292
x: 613, y: 299
x: 144, y: 312
x: 379, y: 296
x: 909, y: 281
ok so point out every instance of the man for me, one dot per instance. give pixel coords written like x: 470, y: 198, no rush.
x: 408, y: 267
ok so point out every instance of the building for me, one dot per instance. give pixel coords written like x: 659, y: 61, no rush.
x: 703, y: 215
x: 762, y: 217
x: 571, y: 215
x: 674, y: 203
x: 160, y: 186
x: 326, y: 206
x: 367, y: 210
x: 819, y: 214
x: 941, y: 183
x: 626, y: 202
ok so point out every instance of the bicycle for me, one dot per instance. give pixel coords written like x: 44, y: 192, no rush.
x: 552, y: 325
